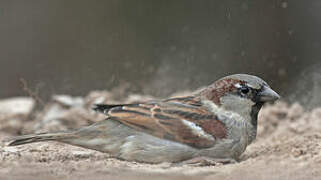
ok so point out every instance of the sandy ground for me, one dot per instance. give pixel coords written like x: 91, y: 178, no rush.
x: 288, y: 145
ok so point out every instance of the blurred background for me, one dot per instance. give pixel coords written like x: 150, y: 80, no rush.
x: 158, y: 47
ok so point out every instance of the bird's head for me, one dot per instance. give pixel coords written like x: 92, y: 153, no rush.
x: 240, y: 93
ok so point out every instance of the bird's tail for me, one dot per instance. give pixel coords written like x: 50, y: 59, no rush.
x: 39, y: 137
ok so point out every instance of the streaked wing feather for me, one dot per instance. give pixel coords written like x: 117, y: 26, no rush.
x: 178, y: 119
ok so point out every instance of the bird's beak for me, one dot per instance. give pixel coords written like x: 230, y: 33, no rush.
x: 267, y: 95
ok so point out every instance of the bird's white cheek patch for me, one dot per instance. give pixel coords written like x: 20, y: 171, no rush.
x: 222, y: 111
x: 197, y: 130
x: 235, y: 102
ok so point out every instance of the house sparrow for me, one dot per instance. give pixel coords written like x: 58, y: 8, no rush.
x: 215, y: 124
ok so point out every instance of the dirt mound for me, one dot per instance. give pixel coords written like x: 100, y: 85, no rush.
x: 288, y: 145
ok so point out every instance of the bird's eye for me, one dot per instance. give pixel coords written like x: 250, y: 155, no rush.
x: 244, y: 90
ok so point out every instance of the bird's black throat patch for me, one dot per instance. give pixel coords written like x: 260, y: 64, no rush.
x: 254, y: 113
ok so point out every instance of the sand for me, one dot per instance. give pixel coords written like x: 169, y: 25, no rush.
x: 288, y: 145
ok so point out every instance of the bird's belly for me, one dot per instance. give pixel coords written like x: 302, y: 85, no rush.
x: 146, y: 148
x: 240, y: 142
x: 231, y: 147
x: 227, y: 148
x: 239, y: 146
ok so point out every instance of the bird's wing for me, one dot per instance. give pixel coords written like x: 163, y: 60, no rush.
x: 183, y: 120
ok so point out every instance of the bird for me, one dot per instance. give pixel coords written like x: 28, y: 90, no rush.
x: 212, y: 125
